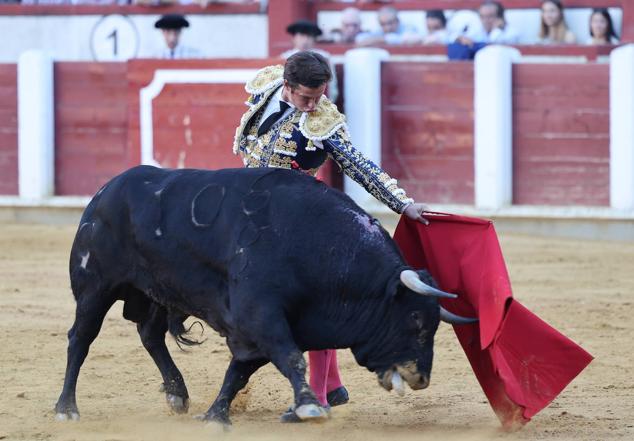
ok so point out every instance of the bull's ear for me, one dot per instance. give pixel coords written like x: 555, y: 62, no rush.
x: 395, y: 287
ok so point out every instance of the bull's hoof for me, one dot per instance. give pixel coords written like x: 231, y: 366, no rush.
x: 212, y: 418
x: 67, y: 416
x: 305, y: 413
x: 66, y: 410
x: 177, y: 404
x: 290, y: 417
x: 218, y: 427
x: 312, y: 412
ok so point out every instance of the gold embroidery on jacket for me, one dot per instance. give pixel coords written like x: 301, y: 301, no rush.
x: 323, y: 121
x: 280, y: 161
x: 246, y: 118
x: 264, y: 78
x: 285, y: 147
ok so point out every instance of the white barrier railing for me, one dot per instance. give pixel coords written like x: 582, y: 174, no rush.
x: 622, y: 128
x: 493, y: 111
x: 36, y: 130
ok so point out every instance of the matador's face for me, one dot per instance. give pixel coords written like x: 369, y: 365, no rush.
x: 302, y: 97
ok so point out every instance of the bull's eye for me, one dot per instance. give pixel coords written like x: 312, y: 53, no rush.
x: 417, y: 319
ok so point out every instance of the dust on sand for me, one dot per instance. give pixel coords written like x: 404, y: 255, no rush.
x: 584, y: 289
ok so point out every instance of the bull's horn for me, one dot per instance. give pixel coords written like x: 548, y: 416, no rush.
x: 397, y: 384
x: 454, y: 319
x: 413, y: 282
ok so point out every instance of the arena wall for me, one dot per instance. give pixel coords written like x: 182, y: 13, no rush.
x: 428, y: 129
x: 565, y: 152
x: 91, y: 119
x: 561, y: 134
x: 193, y: 121
x: 8, y: 130
x: 560, y: 147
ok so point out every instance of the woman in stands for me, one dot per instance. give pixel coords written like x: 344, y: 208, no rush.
x: 601, y: 28
x: 554, y: 29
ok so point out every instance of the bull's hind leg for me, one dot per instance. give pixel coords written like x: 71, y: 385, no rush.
x: 152, y: 330
x: 89, y: 314
x: 236, y: 377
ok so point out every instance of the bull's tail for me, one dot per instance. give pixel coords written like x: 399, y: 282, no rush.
x: 177, y: 328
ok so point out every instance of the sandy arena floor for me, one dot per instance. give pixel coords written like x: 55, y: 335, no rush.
x: 584, y: 289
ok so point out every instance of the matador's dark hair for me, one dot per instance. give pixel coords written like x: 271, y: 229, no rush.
x: 308, y: 69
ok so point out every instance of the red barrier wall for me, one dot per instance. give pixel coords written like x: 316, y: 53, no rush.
x: 90, y: 125
x: 8, y: 130
x: 561, y: 127
x: 561, y: 134
x: 428, y: 129
x: 193, y: 124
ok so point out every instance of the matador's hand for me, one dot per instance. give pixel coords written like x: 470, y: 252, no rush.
x: 415, y: 211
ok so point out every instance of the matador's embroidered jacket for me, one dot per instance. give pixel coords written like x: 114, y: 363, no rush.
x: 306, y: 139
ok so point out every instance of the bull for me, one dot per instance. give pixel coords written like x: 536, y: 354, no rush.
x: 274, y: 260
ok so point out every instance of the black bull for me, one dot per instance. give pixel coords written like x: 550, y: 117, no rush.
x: 273, y: 260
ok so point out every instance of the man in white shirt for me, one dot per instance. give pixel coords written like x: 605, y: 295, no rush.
x: 494, y: 28
x: 171, y: 26
x: 392, y: 30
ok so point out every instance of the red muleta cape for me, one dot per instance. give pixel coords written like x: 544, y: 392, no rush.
x: 520, y: 361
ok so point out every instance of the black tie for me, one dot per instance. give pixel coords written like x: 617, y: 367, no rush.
x: 272, y: 119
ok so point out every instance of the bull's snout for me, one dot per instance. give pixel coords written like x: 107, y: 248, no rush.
x: 395, y: 377
x: 422, y: 383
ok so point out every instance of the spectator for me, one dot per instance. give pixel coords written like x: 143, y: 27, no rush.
x: 436, y: 27
x: 494, y: 28
x: 304, y: 34
x: 553, y: 28
x: 171, y: 26
x: 351, y: 26
x: 601, y: 28
x: 68, y: 2
x: 202, y: 3
x: 392, y: 31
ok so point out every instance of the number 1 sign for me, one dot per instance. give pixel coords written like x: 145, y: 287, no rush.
x: 114, y: 38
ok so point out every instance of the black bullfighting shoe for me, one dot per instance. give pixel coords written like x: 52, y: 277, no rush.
x: 338, y: 396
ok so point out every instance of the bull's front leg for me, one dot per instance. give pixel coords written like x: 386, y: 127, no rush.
x: 306, y: 406
x: 274, y: 338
